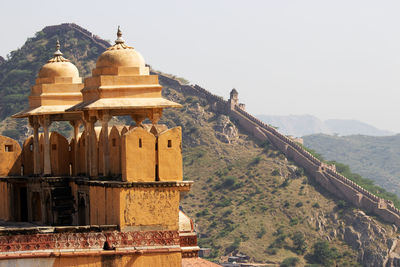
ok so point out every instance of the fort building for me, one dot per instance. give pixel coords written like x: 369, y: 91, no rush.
x: 109, y: 195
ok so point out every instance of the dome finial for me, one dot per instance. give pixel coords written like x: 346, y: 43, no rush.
x: 58, y: 52
x: 57, y: 56
x: 119, y: 35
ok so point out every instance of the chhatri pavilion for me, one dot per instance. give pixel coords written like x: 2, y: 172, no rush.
x: 109, y: 196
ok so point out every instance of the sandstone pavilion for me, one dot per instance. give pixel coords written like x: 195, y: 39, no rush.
x: 108, y: 196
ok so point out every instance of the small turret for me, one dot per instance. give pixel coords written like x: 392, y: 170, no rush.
x: 234, y: 100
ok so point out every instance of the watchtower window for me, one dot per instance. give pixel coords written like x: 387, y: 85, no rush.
x: 169, y: 143
x: 31, y: 147
x: 53, y: 147
x: 140, y: 142
x: 114, y: 142
x: 8, y: 148
x: 156, y: 146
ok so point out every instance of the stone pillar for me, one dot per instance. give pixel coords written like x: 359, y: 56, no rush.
x: 33, y: 121
x: 105, y: 118
x: 91, y: 144
x: 45, y: 123
x: 76, y: 125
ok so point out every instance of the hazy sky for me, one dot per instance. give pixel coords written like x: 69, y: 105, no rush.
x: 331, y: 59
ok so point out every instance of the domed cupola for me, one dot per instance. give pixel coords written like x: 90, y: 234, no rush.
x: 121, y: 84
x: 56, y: 89
x: 120, y: 55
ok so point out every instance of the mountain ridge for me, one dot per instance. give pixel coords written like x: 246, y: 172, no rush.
x: 301, y: 125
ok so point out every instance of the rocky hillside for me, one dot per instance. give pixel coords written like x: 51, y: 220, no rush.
x: 247, y: 197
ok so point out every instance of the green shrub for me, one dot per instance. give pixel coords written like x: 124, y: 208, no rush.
x: 290, y: 262
x: 262, y: 232
x: 316, y: 205
x: 299, y: 172
x: 285, y: 183
x: 299, y: 204
x: 276, y: 172
x: 341, y: 204
x: 323, y: 254
x: 255, y: 161
x: 286, y: 204
x: 299, y: 243
x: 271, y: 251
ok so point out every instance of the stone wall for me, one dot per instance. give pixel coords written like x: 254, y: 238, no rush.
x: 324, y: 174
x: 65, y: 27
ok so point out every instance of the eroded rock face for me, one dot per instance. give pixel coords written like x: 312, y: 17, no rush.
x: 376, y: 245
x: 226, y: 131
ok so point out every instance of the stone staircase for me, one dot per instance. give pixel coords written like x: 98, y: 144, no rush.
x: 62, y: 203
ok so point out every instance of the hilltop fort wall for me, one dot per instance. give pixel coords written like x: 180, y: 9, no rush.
x: 65, y: 27
x: 324, y: 174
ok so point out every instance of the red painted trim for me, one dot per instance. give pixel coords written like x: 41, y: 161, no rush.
x: 85, y: 253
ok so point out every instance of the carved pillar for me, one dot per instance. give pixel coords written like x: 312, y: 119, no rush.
x: 33, y: 121
x: 105, y: 118
x: 91, y: 143
x: 45, y: 123
x: 76, y: 125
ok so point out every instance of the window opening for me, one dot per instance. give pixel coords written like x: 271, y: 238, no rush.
x: 140, y: 142
x: 169, y: 143
x: 8, y: 148
x: 31, y: 147
x: 156, y: 146
x: 157, y: 178
x: 114, y: 142
x: 53, y: 146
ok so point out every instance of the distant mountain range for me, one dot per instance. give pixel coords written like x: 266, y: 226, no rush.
x: 300, y: 125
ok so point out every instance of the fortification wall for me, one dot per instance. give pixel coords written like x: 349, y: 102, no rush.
x: 68, y: 26
x: 325, y: 175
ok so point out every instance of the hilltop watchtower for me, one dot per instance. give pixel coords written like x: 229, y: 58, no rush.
x: 234, y: 100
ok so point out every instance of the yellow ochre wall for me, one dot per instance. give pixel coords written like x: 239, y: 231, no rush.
x: 115, y: 151
x: 104, y: 205
x: 170, y: 158
x: 27, y: 156
x: 135, y: 208
x: 149, y: 208
x: 138, y: 163
x: 10, y: 160
x: 59, y: 154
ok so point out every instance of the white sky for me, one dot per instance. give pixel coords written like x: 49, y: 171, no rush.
x: 332, y: 59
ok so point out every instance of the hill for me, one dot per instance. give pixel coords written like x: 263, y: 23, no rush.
x: 375, y: 158
x: 248, y: 196
x: 300, y: 125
